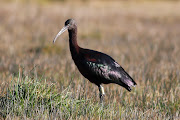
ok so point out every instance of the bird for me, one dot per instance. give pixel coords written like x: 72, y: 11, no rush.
x: 99, y: 68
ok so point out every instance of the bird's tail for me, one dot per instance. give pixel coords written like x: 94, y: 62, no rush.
x: 126, y: 80
x: 128, y: 83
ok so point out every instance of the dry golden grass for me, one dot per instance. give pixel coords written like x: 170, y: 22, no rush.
x: 143, y: 37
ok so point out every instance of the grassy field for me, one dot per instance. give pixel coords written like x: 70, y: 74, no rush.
x: 38, y: 80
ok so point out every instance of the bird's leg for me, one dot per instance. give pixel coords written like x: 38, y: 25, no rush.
x: 101, y: 93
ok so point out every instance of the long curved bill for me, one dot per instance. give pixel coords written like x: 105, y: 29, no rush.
x: 60, y: 32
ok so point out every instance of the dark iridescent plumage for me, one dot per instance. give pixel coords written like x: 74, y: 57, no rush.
x: 100, y: 68
x: 97, y: 67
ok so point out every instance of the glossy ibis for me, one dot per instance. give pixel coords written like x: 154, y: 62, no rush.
x: 97, y: 67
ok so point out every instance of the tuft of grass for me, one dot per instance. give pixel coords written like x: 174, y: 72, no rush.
x: 28, y: 97
x: 34, y: 97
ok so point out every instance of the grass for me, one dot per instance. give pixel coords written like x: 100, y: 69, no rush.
x: 28, y: 97
x: 38, y: 80
x: 33, y: 98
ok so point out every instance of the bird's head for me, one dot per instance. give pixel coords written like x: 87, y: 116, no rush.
x: 69, y: 25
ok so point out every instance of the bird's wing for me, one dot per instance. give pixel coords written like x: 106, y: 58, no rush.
x: 107, y: 68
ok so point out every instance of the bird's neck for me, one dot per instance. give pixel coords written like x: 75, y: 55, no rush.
x: 74, y: 48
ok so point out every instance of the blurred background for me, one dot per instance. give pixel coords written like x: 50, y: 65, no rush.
x: 142, y: 36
